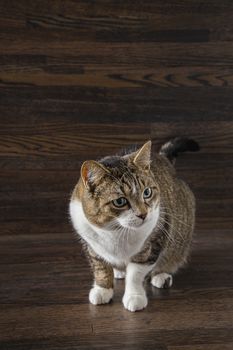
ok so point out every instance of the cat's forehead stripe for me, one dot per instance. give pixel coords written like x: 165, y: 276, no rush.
x: 131, y: 182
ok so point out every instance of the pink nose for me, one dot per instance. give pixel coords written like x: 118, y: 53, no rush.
x: 142, y: 216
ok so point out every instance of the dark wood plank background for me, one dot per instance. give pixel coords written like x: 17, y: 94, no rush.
x: 80, y: 80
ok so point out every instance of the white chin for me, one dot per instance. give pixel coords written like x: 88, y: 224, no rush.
x: 132, y: 225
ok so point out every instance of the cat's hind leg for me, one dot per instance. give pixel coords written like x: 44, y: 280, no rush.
x: 162, y: 280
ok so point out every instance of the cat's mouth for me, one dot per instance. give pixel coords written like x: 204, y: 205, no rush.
x: 133, y: 224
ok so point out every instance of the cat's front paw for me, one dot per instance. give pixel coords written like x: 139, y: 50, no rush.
x: 134, y: 302
x: 99, y: 295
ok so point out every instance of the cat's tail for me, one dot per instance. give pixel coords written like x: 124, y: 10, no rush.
x: 172, y: 148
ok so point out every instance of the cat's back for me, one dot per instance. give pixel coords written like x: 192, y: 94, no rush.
x: 173, y: 189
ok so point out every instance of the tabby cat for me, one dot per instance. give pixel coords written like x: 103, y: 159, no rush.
x: 135, y: 218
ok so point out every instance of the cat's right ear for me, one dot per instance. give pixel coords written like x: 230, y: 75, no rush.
x: 142, y: 158
x: 91, y: 172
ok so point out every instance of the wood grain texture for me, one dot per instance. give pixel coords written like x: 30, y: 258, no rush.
x: 83, y: 79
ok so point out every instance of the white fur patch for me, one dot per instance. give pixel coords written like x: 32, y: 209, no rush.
x: 129, y: 220
x: 135, y: 302
x: 161, y: 279
x: 115, y: 246
x: 119, y: 274
x: 135, y: 296
x: 99, y: 295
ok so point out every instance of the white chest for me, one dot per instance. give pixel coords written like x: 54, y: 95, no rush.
x: 116, y: 247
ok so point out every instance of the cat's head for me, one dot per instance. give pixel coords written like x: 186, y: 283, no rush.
x: 120, y: 190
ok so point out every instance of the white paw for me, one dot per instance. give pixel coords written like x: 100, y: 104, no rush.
x: 162, y: 280
x: 99, y: 295
x: 119, y: 274
x: 134, y: 302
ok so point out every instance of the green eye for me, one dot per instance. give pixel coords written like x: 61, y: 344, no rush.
x: 147, y: 193
x: 120, y: 202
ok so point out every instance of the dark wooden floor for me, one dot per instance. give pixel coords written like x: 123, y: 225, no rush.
x: 79, y: 80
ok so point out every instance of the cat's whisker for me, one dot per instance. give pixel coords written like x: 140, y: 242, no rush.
x: 171, y: 238
x: 174, y: 230
x: 176, y: 219
x: 168, y: 235
x: 168, y: 210
x: 170, y: 215
x: 171, y: 227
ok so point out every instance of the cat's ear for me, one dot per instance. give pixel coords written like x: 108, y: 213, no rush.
x: 142, y: 158
x: 92, y: 171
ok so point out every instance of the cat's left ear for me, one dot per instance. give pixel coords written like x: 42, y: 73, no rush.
x: 142, y: 158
